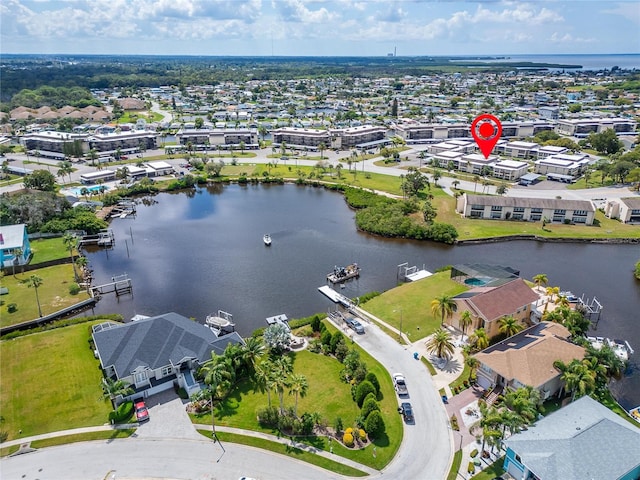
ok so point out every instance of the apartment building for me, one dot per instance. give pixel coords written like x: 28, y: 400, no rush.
x: 126, y: 142
x: 206, y: 138
x: 580, y: 212
x: 52, y: 144
x: 364, y: 136
x: 584, y: 126
x: 305, y: 138
x: 562, y: 167
x: 627, y: 210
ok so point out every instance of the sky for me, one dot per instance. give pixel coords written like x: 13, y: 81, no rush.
x: 319, y: 27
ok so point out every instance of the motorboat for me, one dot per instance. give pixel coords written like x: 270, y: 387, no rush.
x: 220, y: 323
x: 266, y: 239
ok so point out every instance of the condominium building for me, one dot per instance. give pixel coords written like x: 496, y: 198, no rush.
x: 206, y: 139
x: 509, y: 170
x: 563, y: 167
x: 52, y: 144
x: 584, y: 126
x: 627, y: 210
x: 526, y: 209
x: 125, y: 142
x: 306, y: 138
x: 364, y: 136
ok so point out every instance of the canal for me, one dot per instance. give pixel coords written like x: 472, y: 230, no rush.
x: 195, y: 253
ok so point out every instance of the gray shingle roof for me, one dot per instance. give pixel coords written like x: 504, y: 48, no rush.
x: 156, y: 342
x: 554, y: 203
x: 584, y: 440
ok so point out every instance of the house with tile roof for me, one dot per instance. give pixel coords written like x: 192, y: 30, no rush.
x: 583, y: 440
x: 488, y: 304
x: 526, y: 359
x: 154, y: 353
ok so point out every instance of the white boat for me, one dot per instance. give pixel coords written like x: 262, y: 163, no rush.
x: 220, y: 323
x: 596, y: 342
x: 620, y: 348
x: 266, y: 239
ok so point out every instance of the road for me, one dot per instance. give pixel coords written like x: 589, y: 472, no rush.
x: 543, y: 190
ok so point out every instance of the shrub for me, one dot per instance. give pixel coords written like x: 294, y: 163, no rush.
x: 341, y: 351
x: 268, y: 417
x: 315, y: 323
x: 347, y: 439
x: 374, y: 424
x: 325, y: 338
x: 362, y: 390
x: 454, y: 423
x: 12, y: 307
x: 362, y: 434
x: 370, y: 404
x: 336, y: 338
x: 338, y: 425
x: 371, y: 377
x: 74, y: 289
x: 123, y: 413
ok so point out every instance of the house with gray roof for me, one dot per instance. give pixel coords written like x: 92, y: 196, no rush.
x: 154, y: 353
x: 584, y: 440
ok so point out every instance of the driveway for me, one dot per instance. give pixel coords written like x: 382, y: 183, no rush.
x: 167, y: 418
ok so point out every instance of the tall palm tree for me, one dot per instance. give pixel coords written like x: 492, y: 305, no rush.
x: 540, y: 280
x: 577, y: 377
x: 322, y: 147
x: 263, y: 376
x: 443, y: 305
x: 71, y: 241
x: 35, y: 281
x: 473, y: 363
x: 251, y: 351
x: 509, y: 325
x: 440, y: 344
x: 298, y: 386
x: 282, y: 368
x: 480, y: 339
x: 465, y: 321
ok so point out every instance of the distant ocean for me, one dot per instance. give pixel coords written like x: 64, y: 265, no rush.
x: 589, y: 62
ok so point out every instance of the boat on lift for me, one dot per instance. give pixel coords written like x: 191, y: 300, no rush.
x: 220, y: 323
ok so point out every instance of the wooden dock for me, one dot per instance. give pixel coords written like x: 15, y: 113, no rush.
x: 120, y: 285
x: 105, y: 238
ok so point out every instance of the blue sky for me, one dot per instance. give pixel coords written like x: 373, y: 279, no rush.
x: 318, y: 27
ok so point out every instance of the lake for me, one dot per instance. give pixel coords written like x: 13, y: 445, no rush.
x: 195, y: 253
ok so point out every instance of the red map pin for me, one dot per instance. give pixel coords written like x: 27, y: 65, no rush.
x: 486, y: 130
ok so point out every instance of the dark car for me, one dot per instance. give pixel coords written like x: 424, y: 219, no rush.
x: 407, y: 412
x: 142, y: 414
x: 355, y: 325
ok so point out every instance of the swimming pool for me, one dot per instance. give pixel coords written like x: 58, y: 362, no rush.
x: 77, y: 192
x: 477, y: 281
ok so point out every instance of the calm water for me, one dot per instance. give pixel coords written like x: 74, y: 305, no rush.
x: 588, y: 61
x: 197, y: 253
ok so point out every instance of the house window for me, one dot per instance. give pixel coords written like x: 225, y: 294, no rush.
x: 579, y: 220
x: 141, y: 377
x: 496, y: 208
x: 166, y: 371
x: 518, y: 209
x: 582, y: 213
x: 559, y: 211
x: 536, y: 210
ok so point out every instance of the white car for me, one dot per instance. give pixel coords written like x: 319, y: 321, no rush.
x: 400, y: 384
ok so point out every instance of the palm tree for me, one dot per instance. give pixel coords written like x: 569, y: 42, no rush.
x: 473, y: 363
x: 480, y: 339
x: 440, y: 344
x: 251, y: 351
x: 465, y: 321
x: 322, y: 147
x: 282, y: 368
x: 509, y: 325
x: 476, y: 179
x: 112, y: 388
x: 71, y: 241
x: 540, y: 279
x: 298, y: 386
x: 35, y: 281
x: 263, y: 376
x: 444, y: 305
x: 93, y: 156
x: 17, y: 254
x: 577, y: 377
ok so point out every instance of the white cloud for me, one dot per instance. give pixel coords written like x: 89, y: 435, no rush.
x: 297, y: 11
x: 568, y: 38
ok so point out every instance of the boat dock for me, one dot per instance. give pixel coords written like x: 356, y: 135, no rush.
x: 120, y: 285
x: 105, y: 238
x: 125, y: 208
x: 220, y: 323
x: 279, y: 320
x: 342, y: 274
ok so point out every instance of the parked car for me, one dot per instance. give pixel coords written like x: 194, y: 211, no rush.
x: 355, y: 325
x: 400, y: 384
x: 407, y: 412
x: 142, y: 414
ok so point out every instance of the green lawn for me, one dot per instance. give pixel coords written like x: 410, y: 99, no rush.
x: 53, y: 293
x: 413, y: 300
x: 45, y: 250
x: 491, y: 472
x: 327, y: 395
x: 289, y: 451
x: 50, y: 382
x: 83, y: 437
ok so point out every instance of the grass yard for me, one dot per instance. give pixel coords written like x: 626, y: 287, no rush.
x: 53, y: 294
x: 329, y: 396
x: 47, y: 249
x: 50, y: 382
x: 289, y: 451
x: 491, y: 472
x: 412, y: 301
